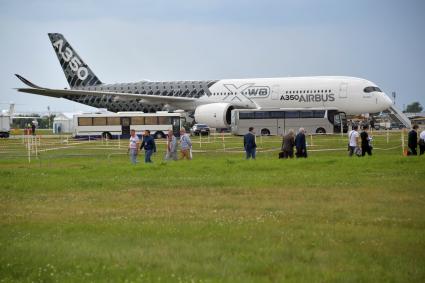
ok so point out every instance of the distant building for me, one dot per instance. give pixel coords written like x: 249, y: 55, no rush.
x: 417, y: 118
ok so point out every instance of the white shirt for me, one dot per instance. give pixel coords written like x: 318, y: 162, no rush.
x: 133, y: 142
x: 353, y: 135
x: 422, y: 135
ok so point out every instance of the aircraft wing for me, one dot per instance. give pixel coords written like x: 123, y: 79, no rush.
x: 34, y: 89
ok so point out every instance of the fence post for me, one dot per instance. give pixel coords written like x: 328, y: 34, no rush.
x: 402, y: 142
x: 200, y: 140
x: 311, y: 139
x: 36, y: 148
x: 388, y: 136
x: 29, y: 151
x: 222, y: 138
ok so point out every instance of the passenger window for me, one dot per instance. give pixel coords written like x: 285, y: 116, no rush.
x: 277, y: 114
x: 99, y: 121
x: 84, y: 121
x: 151, y: 121
x: 113, y: 121
x: 262, y: 115
x: 319, y: 114
x: 306, y: 114
x: 292, y: 115
x: 246, y: 115
x: 137, y: 120
x: 164, y: 120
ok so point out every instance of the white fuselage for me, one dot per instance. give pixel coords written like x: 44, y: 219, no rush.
x: 344, y: 93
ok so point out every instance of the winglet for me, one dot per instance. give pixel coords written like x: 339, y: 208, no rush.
x: 27, y: 82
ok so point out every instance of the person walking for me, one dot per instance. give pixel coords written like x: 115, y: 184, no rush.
x: 133, y: 147
x: 33, y: 127
x: 365, y: 139
x: 249, y: 143
x: 353, y: 141
x: 171, y: 147
x: 185, y: 144
x: 412, y: 140
x: 300, y: 144
x: 421, y: 142
x: 288, y: 144
x: 149, y: 145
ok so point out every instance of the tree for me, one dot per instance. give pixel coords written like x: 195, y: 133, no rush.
x: 414, y: 107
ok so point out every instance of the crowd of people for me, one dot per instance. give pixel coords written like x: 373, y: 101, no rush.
x: 359, y: 144
x: 148, y: 144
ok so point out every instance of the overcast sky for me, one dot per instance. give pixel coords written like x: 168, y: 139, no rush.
x: 126, y: 41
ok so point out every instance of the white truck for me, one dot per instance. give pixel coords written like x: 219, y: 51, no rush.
x: 4, y: 126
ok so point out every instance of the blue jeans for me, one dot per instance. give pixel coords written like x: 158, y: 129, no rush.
x: 133, y: 155
x: 250, y: 153
x: 148, y: 154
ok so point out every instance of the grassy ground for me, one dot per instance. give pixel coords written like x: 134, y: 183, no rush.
x: 81, y: 212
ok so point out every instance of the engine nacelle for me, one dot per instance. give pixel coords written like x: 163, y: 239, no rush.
x: 215, y: 115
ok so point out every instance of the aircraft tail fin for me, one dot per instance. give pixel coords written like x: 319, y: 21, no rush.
x: 76, y: 71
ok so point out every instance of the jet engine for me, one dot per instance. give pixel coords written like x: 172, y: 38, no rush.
x: 215, y: 115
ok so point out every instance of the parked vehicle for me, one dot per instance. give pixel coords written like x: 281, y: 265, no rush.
x: 198, y: 129
x: 4, y: 126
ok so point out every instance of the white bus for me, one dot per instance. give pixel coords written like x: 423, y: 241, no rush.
x: 279, y: 121
x: 114, y: 125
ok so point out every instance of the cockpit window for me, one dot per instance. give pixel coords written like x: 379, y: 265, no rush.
x: 371, y: 88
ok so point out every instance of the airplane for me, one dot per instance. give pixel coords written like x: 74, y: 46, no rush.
x: 210, y: 101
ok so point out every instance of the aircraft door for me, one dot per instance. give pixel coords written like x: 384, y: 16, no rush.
x: 343, y: 90
x: 125, y: 126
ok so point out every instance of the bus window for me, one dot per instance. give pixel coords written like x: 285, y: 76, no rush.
x: 306, y: 114
x: 137, y: 120
x: 277, y: 114
x: 113, y: 121
x: 85, y: 121
x: 151, y: 120
x: 292, y: 114
x: 262, y: 115
x: 99, y: 121
x: 246, y: 115
x: 162, y: 120
x: 319, y: 114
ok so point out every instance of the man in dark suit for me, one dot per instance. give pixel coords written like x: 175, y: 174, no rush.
x: 249, y: 143
x: 412, y: 141
x: 300, y: 144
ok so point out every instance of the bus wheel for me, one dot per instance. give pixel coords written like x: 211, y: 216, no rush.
x: 106, y: 135
x: 159, y: 135
x: 265, y: 132
x: 320, y: 131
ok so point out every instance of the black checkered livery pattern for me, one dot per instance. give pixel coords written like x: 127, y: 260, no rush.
x: 192, y: 89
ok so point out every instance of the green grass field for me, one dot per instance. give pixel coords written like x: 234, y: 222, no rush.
x: 80, y: 212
